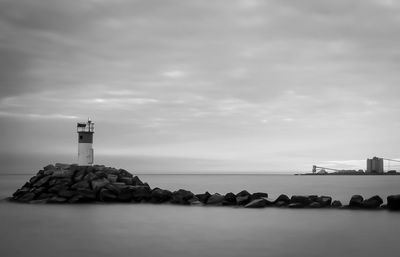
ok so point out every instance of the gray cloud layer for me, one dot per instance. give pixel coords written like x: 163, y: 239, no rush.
x: 266, y: 85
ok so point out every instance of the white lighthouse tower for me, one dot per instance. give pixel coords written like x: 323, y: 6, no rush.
x: 85, y: 145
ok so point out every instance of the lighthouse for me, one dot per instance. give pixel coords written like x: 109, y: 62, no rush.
x: 85, y: 143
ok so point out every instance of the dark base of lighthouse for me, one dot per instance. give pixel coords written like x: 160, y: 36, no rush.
x: 64, y: 183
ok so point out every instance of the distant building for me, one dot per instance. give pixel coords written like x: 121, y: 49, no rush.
x: 375, y: 165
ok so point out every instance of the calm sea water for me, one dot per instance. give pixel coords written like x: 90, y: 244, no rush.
x: 167, y: 230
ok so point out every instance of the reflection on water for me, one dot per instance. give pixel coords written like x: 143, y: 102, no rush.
x: 167, y: 230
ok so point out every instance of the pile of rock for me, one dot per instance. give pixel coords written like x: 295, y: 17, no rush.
x: 63, y: 183
x: 74, y: 184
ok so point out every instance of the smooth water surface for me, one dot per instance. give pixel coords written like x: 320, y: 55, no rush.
x: 169, y: 230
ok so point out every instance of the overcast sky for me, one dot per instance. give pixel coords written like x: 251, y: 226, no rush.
x: 194, y: 85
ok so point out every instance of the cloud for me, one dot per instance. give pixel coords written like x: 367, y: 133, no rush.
x: 245, y: 78
x: 174, y: 74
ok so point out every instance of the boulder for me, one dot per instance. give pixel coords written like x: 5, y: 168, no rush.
x: 57, y: 188
x: 393, y: 202
x: 67, y: 181
x: 33, y: 179
x: 336, y: 204
x: 79, y: 175
x: 42, y: 181
x: 243, y: 198
x: 140, y: 193
x: 313, y: 198
x: 126, y: 194
x: 282, y: 198
x: 372, y: 203
x: 159, y: 195
x: 49, y: 167
x: 112, y: 178
x: 181, y: 196
x: 195, y: 201
x: 38, y: 190
x: 87, y: 195
x: 126, y: 180
x: 107, y: 195
x: 97, y: 184
x: 100, y: 174
x: 124, y: 173
x: 229, y: 199
x: 324, y: 201
x: 203, y: 197
x: 26, y: 197
x: 215, y: 199
x: 304, y: 200
x: 66, y: 193
x: 315, y: 205
x: 258, y: 195
x: 257, y: 203
x: 89, y: 177
x: 17, y: 194
x: 80, y: 185
x: 356, y: 201
x: 136, y: 181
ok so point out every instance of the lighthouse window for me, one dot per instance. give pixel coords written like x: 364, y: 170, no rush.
x: 80, y: 137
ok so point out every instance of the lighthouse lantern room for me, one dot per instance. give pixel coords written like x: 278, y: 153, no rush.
x: 85, y: 145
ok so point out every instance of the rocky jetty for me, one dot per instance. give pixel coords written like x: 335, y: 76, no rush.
x: 64, y: 183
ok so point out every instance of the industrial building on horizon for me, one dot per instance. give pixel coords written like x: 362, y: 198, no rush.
x: 375, y: 165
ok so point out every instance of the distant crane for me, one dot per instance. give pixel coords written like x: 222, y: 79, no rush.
x: 390, y: 160
x: 315, y: 167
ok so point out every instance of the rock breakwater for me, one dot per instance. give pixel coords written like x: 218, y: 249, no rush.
x: 64, y: 183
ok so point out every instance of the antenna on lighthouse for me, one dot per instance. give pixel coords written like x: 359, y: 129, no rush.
x: 85, y: 143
